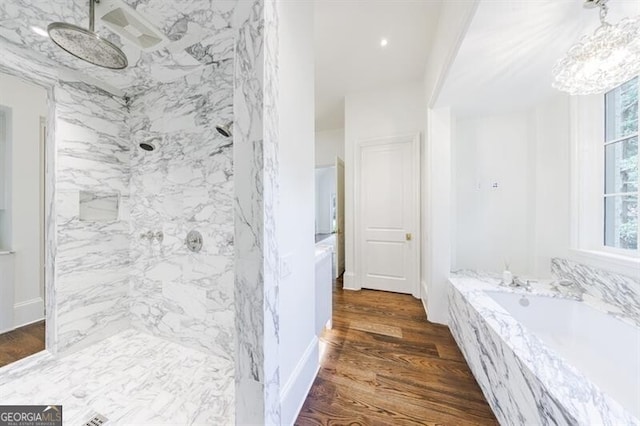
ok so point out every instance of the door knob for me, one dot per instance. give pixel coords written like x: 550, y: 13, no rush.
x: 408, y: 236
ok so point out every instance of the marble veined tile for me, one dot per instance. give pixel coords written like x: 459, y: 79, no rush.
x: 620, y: 293
x: 130, y: 378
x: 256, y: 194
x: 270, y: 194
x: 92, y: 257
x: 185, y: 184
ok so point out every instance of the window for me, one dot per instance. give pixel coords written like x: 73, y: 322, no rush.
x: 621, y: 164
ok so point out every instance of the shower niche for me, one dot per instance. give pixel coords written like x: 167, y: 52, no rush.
x: 97, y: 207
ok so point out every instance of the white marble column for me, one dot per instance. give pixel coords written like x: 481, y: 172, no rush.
x: 256, y: 186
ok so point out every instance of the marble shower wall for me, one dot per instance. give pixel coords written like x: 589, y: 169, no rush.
x: 619, y: 293
x: 256, y: 193
x: 185, y: 184
x: 92, y: 260
x: 178, y: 307
x: 86, y: 280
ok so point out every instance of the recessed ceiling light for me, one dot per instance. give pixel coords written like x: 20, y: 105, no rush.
x: 40, y: 31
x: 384, y: 42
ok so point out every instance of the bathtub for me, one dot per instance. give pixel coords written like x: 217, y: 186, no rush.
x: 544, y: 359
x: 605, y: 349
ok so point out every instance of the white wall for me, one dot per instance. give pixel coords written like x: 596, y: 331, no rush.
x: 5, y: 178
x: 493, y: 223
x: 437, y: 256
x: 375, y: 114
x: 28, y: 104
x: 453, y: 23
x: 325, y: 189
x: 329, y: 145
x: 298, y: 343
x: 525, y: 220
x: 552, y: 228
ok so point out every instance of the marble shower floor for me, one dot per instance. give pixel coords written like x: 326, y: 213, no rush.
x: 130, y: 378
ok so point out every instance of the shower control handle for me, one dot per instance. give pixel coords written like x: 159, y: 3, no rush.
x: 194, y: 241
x: 147, y: 235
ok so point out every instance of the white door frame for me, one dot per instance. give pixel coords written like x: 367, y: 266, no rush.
x: 357, y: 231
x: 340, y: 233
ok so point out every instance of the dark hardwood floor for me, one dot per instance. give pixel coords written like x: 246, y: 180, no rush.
x: 385, y: 364
x: 21, y: 343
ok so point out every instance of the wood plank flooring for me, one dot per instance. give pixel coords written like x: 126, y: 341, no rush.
x: 385, y: 364
x: 21, y: 342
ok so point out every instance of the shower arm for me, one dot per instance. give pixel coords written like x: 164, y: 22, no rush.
x: 86, y: 44
x: 92, y: 14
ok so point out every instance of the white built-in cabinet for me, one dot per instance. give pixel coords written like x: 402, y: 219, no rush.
x: 324, y: 284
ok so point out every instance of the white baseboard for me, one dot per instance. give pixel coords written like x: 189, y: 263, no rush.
x: 349, y: 282
x: 423, y: 297
x: 295, y: 391
x: 28, y: 312
x: 436, y: 315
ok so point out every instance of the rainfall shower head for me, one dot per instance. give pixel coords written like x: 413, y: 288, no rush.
x: 86, y: 44
x: 225, y: 129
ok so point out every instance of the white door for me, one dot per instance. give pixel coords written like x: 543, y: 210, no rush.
x: 387, y: 214
x: 339, y: 216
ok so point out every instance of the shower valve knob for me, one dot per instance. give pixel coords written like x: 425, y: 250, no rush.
x: 147, y: 235
x: 194, y: 241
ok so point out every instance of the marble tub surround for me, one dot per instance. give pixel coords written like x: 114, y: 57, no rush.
x: 173, y: 384
x: 525, y: 382
x: 481, y: 280
x: 186, y: 183
x: 616, y: 293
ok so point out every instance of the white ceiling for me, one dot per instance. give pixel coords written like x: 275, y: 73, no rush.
x: 505, y: 61
x: 348, y: 52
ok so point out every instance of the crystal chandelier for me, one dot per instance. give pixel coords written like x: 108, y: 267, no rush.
x: 603, y: 60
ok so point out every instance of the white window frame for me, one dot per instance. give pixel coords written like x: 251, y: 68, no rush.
x: 629, y: 252
x: 587, y: 116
